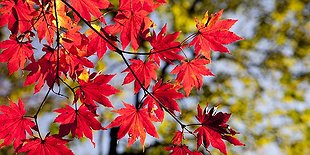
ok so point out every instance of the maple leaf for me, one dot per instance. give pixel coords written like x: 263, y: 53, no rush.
x: 13, y: 124
x: 167, y: 94
x: 45, y: 27
x: 213, y: 129
x: 213, y: 33
x: 87, y: 7
x: 190, y: 73
x: 145, y: 71
x: 15, y: 53
x: 96, y: 89
x: 80, y: 122
x: 74, y: 62
x: 135, y: 122
x: 131, y: 21
x: 44, y: 70
x: 178, y: 150
x: 62, y: 10
x: 164, y: 46
x: 73, y: 52
x: 51, y: 145
x: 17, y: 14
x: 99, y: 45
x: 178, y: 137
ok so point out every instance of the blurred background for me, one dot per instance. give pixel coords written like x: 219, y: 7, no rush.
x: 264, y: 82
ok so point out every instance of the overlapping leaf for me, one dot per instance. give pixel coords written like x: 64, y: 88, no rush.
x: 164, y: 46
x: 44, y: 70
x: 213, y: 33
x: 13, y: 124
x: 190, y: 73
x: 15, y: 53
x: 99, y: 45
x: 178, y: 138
x: 45, y: 27
x: 178, y: 150
x: 96, y: 89
x: 51, y: 145
x: 213, y: 129
x: 17, y: 14
x: 74, y: 51
x: 135, y: 122
x: 145, y: 71
x: 131, y: 22
x: 79, y: 122
x: 90, y: 7
x: 165, y: 93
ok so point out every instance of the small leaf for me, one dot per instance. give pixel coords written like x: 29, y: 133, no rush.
x: 214, y: 129
x: 135, y: 122
x: 190, y: 73
x: 13, y: 124
x: 213, y: 33
x: 145, y: 71
x: 16, y: 53
x: 96, y: 89
x: 167, y: 94
x: 80, y: 122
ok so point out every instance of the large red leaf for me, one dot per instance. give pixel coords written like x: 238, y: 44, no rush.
x: 45, y: 27
x: 15, y: 53
x: 213, y: 33
x: 164, y: 46
x: 13, y: 124
x: 99, y: 45
x: 51, y: 145
x: 167, y: 94
x: 131, y: 21
x: 214, y: 129
x: 87, y: 7
x: 145, y: 71
x: 79, y: 122
x: 96, y: 89
x: 190, y: 73
x: 135, y: 122
x: 44, y: 70
x: 17, y: 14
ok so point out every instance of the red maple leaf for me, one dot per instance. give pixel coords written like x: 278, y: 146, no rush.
x: 145, y: 71
x: 96, y: 89
x: 99, y: 45
x: 17, y: 14
x: 213, y: 129
x: 79, y: 122
x: 178, y: 150
x: 87, y: 7
x: 51, y: 145
x: 165, y: 93
x: 44, y: 70
x: 178, y: 138
x: 45, y: 27
x: 13, y: 124
x: 135, y: 122
x: 213, y: 33
x: 164, y: 46
x: 131, y: 21
x: 15, y: 53
x: 74, y: 62
x: 190, y: 73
